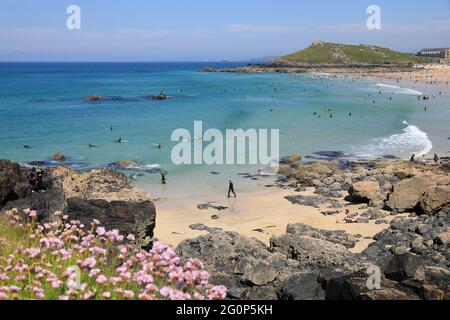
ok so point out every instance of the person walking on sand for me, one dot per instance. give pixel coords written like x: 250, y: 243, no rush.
x: 231, y: 189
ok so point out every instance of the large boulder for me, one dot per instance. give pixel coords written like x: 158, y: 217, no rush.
x: 13, y: 182
x: 243, y: 264
x: 404, y: 267
x: 107, y: 196
x: 366, y: 192
x: 315, y: 254
x: 303, y: 286
x: 407, y: 194
x: 434, y: 200
x: 59, y: 156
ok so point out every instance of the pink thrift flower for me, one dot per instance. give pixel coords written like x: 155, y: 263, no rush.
x: 101, y: 279
x: 100, y: 231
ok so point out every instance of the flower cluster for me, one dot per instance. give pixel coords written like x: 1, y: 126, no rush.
x: 64, y: 260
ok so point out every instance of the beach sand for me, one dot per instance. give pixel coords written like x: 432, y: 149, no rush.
x: 265, y: 209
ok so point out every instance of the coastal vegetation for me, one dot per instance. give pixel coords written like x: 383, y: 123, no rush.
x: 334, y: 53
x: 65, y: 260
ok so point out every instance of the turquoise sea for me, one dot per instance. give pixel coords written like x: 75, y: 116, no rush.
x: 42, y: 105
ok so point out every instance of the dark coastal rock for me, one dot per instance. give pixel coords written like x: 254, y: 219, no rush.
x: 426, y: 236
x: 13, y: 182
x: 209, y: 205
x: 309, y: 201
x: 356, y: 286
x: 339, y: 237
x: 314, y: 253
x: 250, y: 269
x: 404, y: 267
x: 303, y: 286
x: 59, y: 156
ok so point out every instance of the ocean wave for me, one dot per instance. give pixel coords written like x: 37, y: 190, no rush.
x: 399, y: 90
x: 411, y: 141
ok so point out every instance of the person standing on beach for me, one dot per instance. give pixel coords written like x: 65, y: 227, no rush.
x: 413, y: 158
x: 436, y: 158
x: 231, y: 189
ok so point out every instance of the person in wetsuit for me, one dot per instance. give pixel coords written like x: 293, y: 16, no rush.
x: 231, y: 189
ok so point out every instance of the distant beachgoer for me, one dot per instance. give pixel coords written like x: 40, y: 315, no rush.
x: 425, y: 109
x: 163, y: 176
x: 33, y: 178
x: 111, y: 128
x: 92, y: 145
x: 40, y: 176
x: 350, y: 114
x: 26, y: 146
x: 119, y: 140
x: 436, y: 158
x: 231, y: 189
x: 413, y: 158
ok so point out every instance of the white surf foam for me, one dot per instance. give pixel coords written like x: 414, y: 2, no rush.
x: 399, y: 90
x: 411, y: 141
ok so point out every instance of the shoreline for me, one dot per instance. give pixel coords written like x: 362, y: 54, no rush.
x: 424, y: 74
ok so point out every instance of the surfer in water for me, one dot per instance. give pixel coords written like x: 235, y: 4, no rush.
x: 157, y: 145
x: 119, y: 140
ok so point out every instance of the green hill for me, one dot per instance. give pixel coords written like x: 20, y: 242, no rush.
x: 333, y: 53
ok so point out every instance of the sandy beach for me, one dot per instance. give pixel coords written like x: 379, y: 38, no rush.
x: 260, y: 214
x: 423, y: 74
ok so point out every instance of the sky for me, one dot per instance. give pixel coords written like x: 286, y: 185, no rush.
x: 210, y: 30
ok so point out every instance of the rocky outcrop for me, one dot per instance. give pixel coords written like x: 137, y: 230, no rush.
x: 102, y: 194
x: 13, y: 182
x: 339, y: 237
x: 367, y: 192
x: 426, y: 236
x: 434, y: 200
x: 407, y: 194
x: 314, y: 253
x: 243, y: 264
x: 59, y: 156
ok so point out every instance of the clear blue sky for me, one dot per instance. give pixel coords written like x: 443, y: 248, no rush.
x: 182, y: 30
